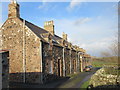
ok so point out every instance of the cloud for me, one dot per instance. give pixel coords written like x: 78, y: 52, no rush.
x: 94, y: 34
x: 73, y: 4
x: 47, y: 6
x: 96, y: 47
x: 43, y: 5
x: 82, y: 21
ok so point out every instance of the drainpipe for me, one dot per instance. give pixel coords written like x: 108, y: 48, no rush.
x: 24, y: 68
x: 41, y: 57
x: 63, y: 62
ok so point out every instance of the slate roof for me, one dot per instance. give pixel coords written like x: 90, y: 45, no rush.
x: 57, y: 37
x: 37, y: 30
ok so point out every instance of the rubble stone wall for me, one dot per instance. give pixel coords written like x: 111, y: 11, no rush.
x: 51, y: 67
x: 73, y: 61
x: 67, y: 61
x: 100, y: 78
x: 32, y: 56
x: 12, y: 40
x: 17, y: 41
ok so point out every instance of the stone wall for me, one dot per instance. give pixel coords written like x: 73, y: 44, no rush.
x: 73, y: 61
x: 52, y: 62
x: 32, y: 57
x: 17, y: 39
x: 57, y: 54
x: 67, y: 61
x: 12, y: 37
x: 100, y: 78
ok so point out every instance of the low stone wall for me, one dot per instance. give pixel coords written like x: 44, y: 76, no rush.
x: 100, y: 78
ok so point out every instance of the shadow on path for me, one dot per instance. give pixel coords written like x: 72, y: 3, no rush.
x: 52, y: 84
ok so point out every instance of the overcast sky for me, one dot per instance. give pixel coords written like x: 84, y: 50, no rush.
x: 90, y: 25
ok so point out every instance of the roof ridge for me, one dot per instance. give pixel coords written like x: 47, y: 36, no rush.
x: 34, y: 25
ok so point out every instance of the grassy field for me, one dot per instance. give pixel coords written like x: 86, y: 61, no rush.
x: 85, y: 84
x: 99, y: 62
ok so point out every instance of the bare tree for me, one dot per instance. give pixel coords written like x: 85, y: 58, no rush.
x: 112, y: 52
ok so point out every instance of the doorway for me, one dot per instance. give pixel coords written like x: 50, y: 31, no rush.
x: 60, y: 69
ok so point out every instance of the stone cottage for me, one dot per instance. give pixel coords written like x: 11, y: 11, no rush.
x: 38, y: 55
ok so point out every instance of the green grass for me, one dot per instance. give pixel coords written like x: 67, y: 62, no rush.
x: 100, y: 63
x: 85, y: 84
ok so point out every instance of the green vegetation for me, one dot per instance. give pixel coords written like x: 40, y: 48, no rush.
x: 111, y: 70
x: 85, y: 84
x: 99, y: 62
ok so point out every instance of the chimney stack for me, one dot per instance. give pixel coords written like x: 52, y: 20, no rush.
x: 49, y: 26
x: 13, y: 9
x: 64, y: 36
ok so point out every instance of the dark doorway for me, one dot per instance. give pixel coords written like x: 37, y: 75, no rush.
x: 60, y: 70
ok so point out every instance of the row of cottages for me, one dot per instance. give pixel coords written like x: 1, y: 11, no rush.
x: 38, y: 55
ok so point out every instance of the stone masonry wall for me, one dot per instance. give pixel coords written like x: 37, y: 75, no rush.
x: 57, y: 55
x: 12, y: 40
x: 73, y: 61
x: 67, y: 61
x: 50, y: 63
x: 12, y: 36
x: 32, y: 57
x: 100, y: 78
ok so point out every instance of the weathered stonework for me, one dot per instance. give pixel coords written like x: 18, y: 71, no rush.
x: 11, y: 31
x: 67, y: 61
x: 100, y: 78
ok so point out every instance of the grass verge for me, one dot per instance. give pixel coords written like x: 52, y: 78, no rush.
x: 85, y: 84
